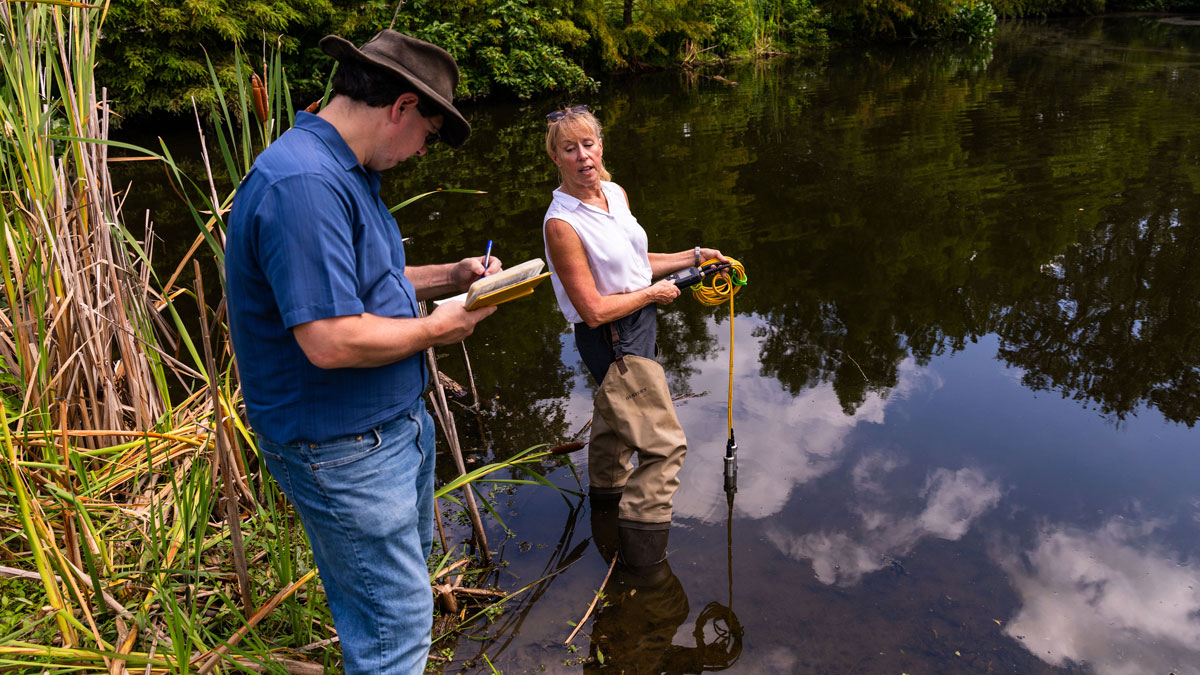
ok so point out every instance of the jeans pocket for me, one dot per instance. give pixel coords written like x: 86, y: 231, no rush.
x: 342, y: 451
x: 277, y: 464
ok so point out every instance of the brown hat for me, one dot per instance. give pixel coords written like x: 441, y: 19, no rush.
x: 427, y: 67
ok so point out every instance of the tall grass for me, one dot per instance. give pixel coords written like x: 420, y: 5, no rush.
x: 134, y: 514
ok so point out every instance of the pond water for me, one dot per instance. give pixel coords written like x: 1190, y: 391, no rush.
x: 966, y: 370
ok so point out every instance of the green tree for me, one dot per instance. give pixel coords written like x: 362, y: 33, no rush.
x: 152, y: 53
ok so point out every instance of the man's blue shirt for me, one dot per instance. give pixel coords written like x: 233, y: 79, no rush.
x: 309, y: 238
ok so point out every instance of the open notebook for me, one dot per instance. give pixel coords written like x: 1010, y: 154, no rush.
x: 509, y: 284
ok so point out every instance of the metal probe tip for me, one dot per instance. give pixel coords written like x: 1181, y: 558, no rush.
x: 731, y: 465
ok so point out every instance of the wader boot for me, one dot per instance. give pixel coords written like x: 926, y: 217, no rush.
x: 643, y: 550
x: 609, y: 461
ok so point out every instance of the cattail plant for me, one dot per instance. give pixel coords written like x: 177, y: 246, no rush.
x: 133, y: 505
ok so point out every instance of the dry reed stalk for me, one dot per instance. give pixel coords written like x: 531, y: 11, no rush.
x: 442, y: 409
x: 89, y: 308
x: 224, y: 460
x: 446, y: 419
x: 215, y: 657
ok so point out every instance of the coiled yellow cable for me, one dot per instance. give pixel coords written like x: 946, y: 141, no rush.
x: 715, y: 290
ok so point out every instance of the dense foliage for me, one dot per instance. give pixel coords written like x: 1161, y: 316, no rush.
x: 154, y: 54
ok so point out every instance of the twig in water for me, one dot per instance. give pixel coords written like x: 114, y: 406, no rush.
x: 860, y: 370
x: 579, y: 434
x: 470, y: 377
x: 594, y: 601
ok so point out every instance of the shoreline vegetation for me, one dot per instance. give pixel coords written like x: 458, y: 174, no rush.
x: 137, y: 527
x: 154, y: 57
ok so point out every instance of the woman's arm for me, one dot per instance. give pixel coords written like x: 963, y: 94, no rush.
x: 665, y: 263
x: 571, y: 264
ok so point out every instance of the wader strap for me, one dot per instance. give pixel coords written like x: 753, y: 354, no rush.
x: 616, y: 345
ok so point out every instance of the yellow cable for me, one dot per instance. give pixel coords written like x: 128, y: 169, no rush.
x: 715, y: 290
x: 729, y: 406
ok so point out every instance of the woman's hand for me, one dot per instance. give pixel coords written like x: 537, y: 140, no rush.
x: 663, y: 292
x: 707, y: 254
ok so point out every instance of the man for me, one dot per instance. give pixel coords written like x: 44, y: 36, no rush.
x: 323, y: 314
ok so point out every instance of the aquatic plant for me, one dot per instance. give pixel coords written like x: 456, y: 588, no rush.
x: 137, y: 526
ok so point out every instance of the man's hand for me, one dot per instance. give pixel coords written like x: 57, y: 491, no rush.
x: 468, y: 270
x: 455, y: 322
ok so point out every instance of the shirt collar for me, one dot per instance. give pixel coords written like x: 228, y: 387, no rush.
x: 573, y: 203
x: 329, y: 135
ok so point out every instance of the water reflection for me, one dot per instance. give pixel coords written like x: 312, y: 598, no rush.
x: 644, y: 608
x: 1112, y: 321
x: 635, y: 631
x: 953, y: 500
x: 1112, y: 599
x: 786, y: 440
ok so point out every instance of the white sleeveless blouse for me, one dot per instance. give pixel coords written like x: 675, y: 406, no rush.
x: 615, y: 244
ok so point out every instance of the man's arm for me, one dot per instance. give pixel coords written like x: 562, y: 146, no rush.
x: 369, y: 340
x: 432, y: 281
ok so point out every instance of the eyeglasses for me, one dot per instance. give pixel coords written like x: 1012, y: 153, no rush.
x: 432, y: 138
x: 559, y: 114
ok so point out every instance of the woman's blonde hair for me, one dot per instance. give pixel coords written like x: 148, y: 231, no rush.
x: 567, y: 123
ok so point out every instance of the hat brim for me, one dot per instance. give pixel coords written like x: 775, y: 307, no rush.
x: 455, y: 128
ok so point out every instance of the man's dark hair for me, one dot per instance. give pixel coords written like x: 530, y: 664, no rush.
x: 374, y: 86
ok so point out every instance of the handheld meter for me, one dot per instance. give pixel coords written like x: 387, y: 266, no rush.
x: 690, y: 276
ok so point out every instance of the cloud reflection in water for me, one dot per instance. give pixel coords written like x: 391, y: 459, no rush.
x: 785, y: 440
x: 1111, y: 598
x: 953, y: 500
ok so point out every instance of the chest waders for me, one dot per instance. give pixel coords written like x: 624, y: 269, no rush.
x: 634, y: 414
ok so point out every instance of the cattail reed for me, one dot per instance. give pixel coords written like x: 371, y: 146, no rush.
x: 258, y: 93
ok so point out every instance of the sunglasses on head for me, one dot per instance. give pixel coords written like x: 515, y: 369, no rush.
x: 559, y: 114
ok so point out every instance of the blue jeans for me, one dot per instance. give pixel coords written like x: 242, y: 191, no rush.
x: 366, y: 502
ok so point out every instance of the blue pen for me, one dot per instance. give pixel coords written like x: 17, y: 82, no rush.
x: 487, y: 258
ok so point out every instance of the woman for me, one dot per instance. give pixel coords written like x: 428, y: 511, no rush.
x: 602, y: 276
